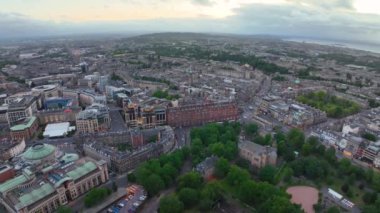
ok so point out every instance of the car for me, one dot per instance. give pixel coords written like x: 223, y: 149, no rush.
x: 109, y: 210
x: 142, y: 198
x: 136, y: 204
x: 115, y: 209
x: 121, y: 205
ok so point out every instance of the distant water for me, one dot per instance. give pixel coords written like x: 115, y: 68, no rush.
x: 359, y: 46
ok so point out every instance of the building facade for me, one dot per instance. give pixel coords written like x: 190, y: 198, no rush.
x: 6, y: 173
x: 95, y: 118
x: 144, y: 116
x: 197, y: 114
x: 57, y: 115
x: 25, y: 130
x: 20, y: 108
x: 141, y: 148
x: 10, y: 149
x: 259, y: 156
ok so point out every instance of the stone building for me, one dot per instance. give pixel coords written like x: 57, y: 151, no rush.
x: 258, y: 155
x: 52, y: 179
x: 95, y: 118
x: 201, y: 113
x: 25, y: 129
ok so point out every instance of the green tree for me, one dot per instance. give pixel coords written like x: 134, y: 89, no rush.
x: 206, y: 204
x: 218, y: 149
x: 222, y: 167
x: 268, y: 173
x: 345, y: 188
x: 306, y: 149
x: 212, y: 191
x: 344, y: 166
x: 237, y: 176
x: 170, y: 204
x: 247, y: 191
x: 296, y: 138
x: 169, y: 170
x: 279, y: 205
x: 369, y: 197
x: 190, y: 180
x: 188, y: 196
x: 288, y: 174
x: 333, y: 209
x: 330, y: 155
x: 64, y: 209
x: 251, y: 129
x: 376, y: 182
x: 154, y: 184
x: 369, y: 136
x: 95, y: 196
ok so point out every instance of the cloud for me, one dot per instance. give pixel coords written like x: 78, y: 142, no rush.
x: 203, y: 2
x: 314, y: 20
x: 329, y: 19
x: 18, y: 25
x: 325, y: 4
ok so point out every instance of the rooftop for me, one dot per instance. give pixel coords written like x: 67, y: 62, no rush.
x: 27, y: 124
x: 44, y: 87
x: 92, y: 112
x: 56, y: 129
x: 38, y: 151
x: 13, y: 183
x: 35, y: 195
x: 18, y: 102
x: 42, y: 183
x: 82, y: 170
x: 254, y: 147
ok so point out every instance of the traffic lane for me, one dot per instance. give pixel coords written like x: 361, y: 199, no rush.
x: 117, y: 121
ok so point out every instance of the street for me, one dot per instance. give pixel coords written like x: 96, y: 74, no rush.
x: 117, y: 121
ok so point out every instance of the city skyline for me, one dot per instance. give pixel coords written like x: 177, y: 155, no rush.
x: 356, y: 20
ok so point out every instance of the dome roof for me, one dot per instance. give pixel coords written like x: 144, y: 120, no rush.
x: 39, y: 151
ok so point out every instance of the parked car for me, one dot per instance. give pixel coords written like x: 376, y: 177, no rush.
x: 116, y: 209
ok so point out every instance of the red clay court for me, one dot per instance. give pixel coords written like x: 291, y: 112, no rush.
x: 306, y: 196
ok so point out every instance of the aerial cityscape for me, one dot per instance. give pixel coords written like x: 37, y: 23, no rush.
x: 113, y: 113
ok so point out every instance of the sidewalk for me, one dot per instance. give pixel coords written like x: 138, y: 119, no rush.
x: 121, y: 192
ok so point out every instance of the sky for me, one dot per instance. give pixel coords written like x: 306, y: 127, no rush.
x: 357, y: 20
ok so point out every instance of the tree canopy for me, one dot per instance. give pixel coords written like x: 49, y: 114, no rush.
x: 170, y: 204
x: 95, y: 196
x: 334, y: 106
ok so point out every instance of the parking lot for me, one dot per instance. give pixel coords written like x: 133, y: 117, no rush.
x: 130, y: 203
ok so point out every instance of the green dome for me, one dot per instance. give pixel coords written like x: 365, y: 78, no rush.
x: 39, y: 151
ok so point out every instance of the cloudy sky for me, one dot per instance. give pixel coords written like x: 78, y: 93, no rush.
x: 331, y: 19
